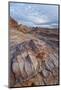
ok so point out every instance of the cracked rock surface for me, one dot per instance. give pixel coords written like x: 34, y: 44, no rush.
x: 33, y: 59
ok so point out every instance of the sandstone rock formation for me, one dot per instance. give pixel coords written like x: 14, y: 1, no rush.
x: 33, y: 58
x: 12, y: 23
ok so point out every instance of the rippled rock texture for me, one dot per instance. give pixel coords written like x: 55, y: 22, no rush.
x: 34, y: 58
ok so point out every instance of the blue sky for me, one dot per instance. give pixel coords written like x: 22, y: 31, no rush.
x: 35, y: 14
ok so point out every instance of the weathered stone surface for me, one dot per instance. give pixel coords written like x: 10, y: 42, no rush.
x: 28, y: 63
x: 33, y: 58
x: 28, y: 68
x: 45, y: 73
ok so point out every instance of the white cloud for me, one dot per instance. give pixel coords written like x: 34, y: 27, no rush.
x: 54, y: 25
x: 37, y: 19
x: 34, y: 15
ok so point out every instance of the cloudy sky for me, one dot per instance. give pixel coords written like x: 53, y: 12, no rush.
x: 35, y: 14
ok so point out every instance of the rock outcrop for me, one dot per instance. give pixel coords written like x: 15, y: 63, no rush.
x: 12, y: 23
x: 33, y: 59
